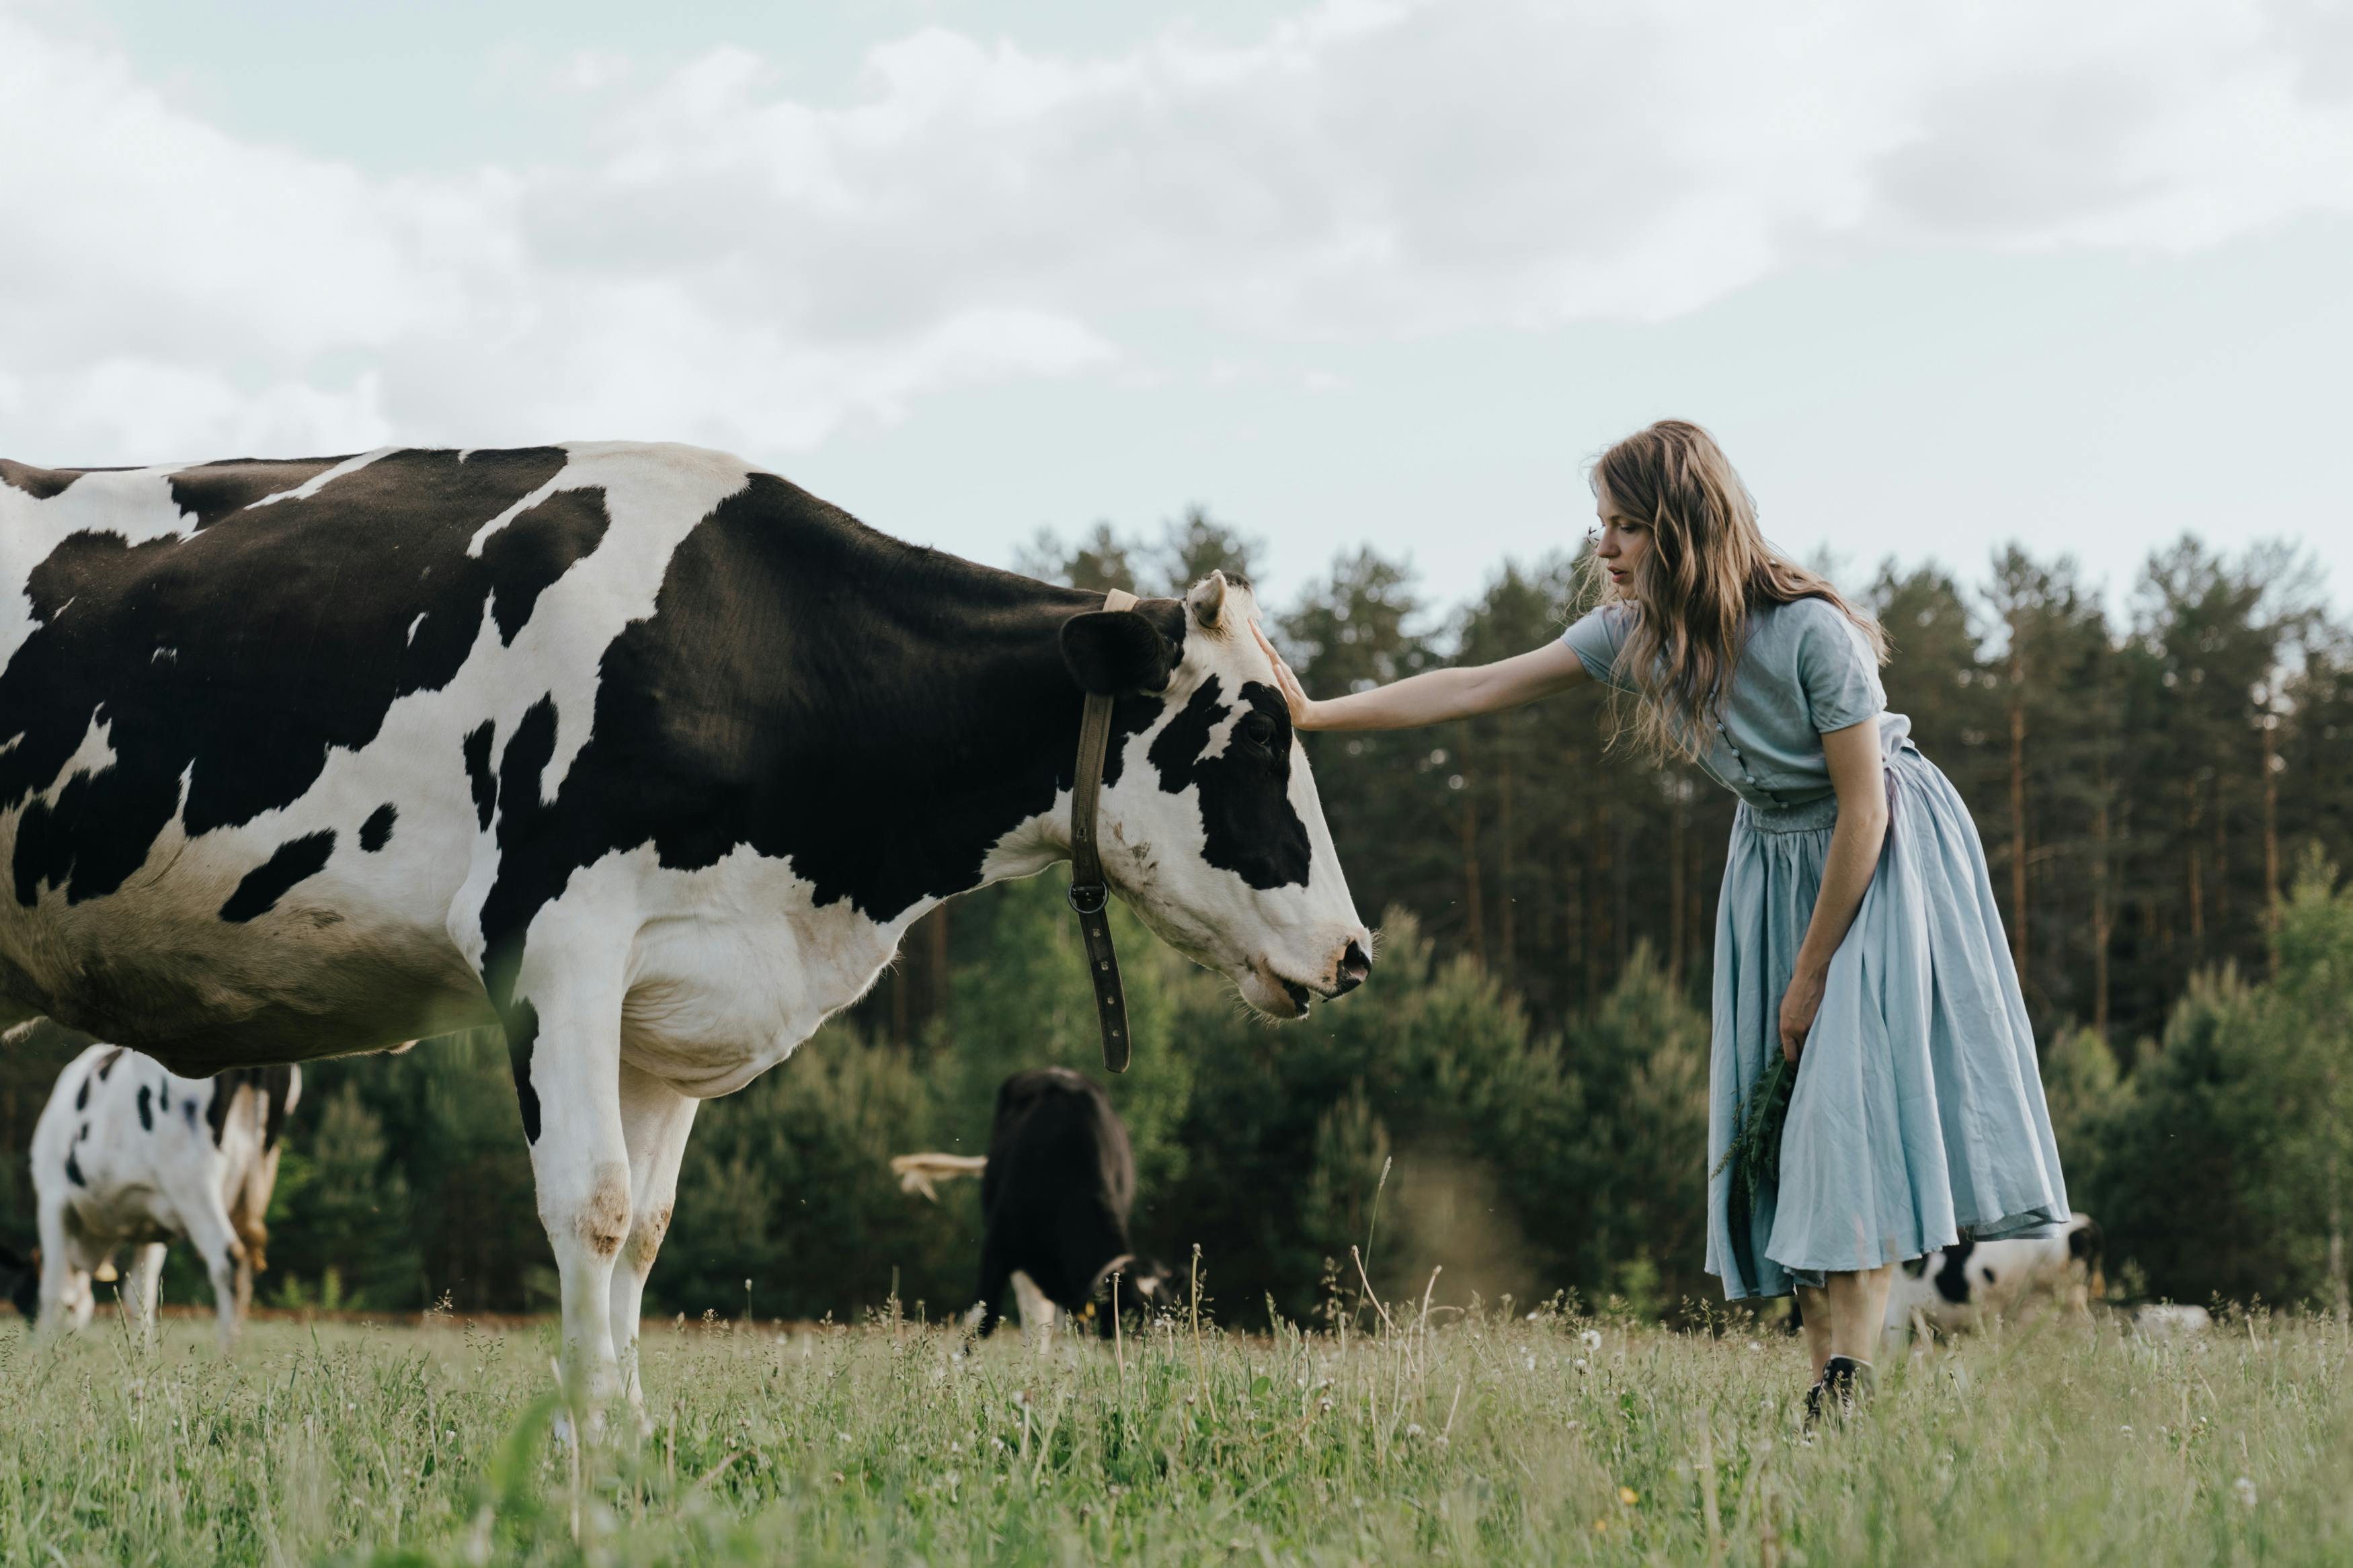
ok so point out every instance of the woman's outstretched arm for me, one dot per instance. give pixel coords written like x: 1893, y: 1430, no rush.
x: 1435, y: 696
x: 1858, y: 775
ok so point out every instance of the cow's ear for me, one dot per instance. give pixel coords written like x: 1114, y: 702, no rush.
x: 1112, y: 652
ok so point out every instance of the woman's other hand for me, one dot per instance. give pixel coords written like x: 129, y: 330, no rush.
x: 1303, y: 707
x: 1799, y: 1003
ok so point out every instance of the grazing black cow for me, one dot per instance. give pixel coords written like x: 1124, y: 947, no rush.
x: 639, y: 752
x: 1055, y: 1192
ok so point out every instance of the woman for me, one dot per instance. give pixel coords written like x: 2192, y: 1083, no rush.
x: 1856, y: 933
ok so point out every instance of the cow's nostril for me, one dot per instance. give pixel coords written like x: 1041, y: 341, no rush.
x: 1354, y: 964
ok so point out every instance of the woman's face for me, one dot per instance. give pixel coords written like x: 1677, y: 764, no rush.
x: 1624, y: 541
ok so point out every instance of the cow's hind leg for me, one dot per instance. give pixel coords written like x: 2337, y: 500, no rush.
x: 655, y: 1120
x: 140, y: 1282
x: 564, y: 1038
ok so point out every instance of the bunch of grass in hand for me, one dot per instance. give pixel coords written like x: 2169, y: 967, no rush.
x: 1754, y: 1156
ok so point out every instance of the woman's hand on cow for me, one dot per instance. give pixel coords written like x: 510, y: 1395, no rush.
x: 1303, y: 707
x: 1799, y: 1003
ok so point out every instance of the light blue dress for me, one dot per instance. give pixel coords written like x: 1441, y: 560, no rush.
x: 1918, y: 1112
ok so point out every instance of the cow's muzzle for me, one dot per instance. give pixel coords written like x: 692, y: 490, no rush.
x: 1354, y: 964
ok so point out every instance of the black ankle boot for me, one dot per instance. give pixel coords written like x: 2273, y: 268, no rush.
x: 1845, y: 1383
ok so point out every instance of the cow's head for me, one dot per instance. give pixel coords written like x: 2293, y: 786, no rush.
x: 1210, y: 825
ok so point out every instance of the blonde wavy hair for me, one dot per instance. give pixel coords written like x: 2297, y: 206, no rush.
x: 1707, y: 567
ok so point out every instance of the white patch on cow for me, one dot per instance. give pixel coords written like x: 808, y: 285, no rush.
x: 728, y: 968
x: 482, y: 535
x: 416, y: 623
x: 324, y: 478
x: 95, y: 754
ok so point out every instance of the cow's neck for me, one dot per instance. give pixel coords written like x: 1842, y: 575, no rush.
x: 961, y: 715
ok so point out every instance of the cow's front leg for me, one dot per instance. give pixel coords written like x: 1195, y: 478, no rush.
x: 563, y: 1039
x: 655, y: 1120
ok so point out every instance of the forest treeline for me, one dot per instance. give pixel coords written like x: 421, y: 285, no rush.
x: 1518, y: 1096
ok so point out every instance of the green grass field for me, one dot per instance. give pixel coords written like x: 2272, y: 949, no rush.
x: 1557, y: 1440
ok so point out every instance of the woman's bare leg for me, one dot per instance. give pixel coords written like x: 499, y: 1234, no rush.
x: 1816, y: 1305
x: 1848, y: 1316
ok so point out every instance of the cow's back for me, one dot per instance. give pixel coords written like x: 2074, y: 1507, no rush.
x: 1055, y: 1134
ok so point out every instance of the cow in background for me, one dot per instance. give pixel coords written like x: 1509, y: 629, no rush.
x: 1959, y: 1286
x: 1056, y: 1189
x: 128, y: 1153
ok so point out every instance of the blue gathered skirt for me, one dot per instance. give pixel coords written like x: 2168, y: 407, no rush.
x: 1918, y: 1112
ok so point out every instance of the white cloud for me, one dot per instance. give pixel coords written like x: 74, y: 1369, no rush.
x: 729, y: 265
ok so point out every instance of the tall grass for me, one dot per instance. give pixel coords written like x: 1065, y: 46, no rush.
x: 1489, y: 1438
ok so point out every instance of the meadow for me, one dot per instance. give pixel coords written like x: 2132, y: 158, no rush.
x: 1488, y: 1438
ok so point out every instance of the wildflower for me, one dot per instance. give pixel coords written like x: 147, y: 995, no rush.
x: 1580, y: 1363
x: 1413, y: 1429
x: 1629, y: 1495
x: 1592, y: 1337
x: 2125, y: 1430
x: 2245, y: 1488
x: 1754, y: 1345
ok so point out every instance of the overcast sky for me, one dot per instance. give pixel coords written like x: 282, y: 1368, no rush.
x: 1380, y: 271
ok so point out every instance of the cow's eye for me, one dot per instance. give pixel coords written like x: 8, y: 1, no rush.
x: 1258, y: 730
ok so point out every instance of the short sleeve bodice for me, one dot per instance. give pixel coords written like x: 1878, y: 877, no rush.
x: 1805, y: 671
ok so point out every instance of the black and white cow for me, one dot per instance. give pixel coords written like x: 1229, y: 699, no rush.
x: 646, y: 754
x: 130, y: 1155
x: 1056, y: 1188
x: 1960, y: 1286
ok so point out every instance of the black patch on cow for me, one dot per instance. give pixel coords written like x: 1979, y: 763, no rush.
x: 1953, y: 1278
x: 73, y: 1170
x: 41, y: 484
x: 188, y: 1113
x: 1247, y: 824
x: 523, y: 1034
x: 82, y: 1095
x: 877, y: 714
x: 526, y: 557
x: 213, y: 491
x: 376, y: 831
x: 479, y: 778
x: 290, y: 628
x: 106, y: 1063
x: 1916, y: 1267
x: 224, y: 1088
x: 147, y: 1108
x: 278, y: 1084
x: 290, y: 863
x: 2086, y: 1243
x: 1112, y: 652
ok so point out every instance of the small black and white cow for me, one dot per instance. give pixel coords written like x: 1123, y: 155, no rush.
x: 130, y: 1155
x: 1960, y: 1286
x: 1056, y: 1188
x: 639, y: 752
